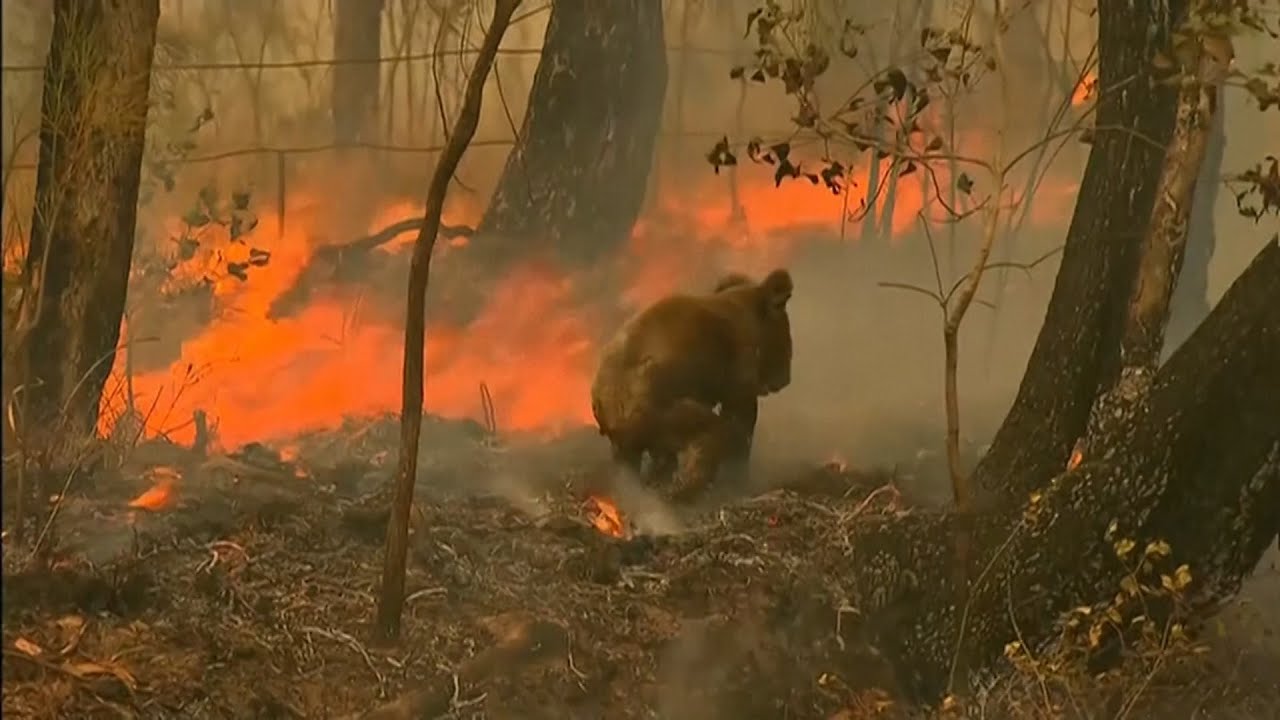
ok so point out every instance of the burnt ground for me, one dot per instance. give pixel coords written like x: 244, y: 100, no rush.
x: 251, y: 594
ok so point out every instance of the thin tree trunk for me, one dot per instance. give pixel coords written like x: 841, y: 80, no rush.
x: 1166, y: 235
x: 885, y: 228
x: 1190, y: 302
x: 92, y: 131
x: 391, y: 598
x: 357, y: 45
x: 1027, y: 198
x: 676, y: 142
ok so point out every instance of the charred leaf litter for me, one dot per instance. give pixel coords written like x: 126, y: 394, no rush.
x: 247, y: 591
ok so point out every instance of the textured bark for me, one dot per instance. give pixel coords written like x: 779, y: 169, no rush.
x: 1195, y: 461
x: 575, y: 181
x: 1199, y: 468
x: 357, y: 45
x: 1165, y: 239
x: 1077, y: 351
x: 1191, y: 295
x: 93, y: 122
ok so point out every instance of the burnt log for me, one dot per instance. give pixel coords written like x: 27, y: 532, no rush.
x: 354, y: 263
x: 1197, y: 465
x: 92, y: 129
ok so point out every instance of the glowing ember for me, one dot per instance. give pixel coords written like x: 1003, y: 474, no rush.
x: 162, y: 492
x: 1085, y: 91
x: 1077, y: 457
x: 605, y: 516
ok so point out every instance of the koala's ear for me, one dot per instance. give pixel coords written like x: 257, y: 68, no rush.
x: 731, y: 280
x: 776, y: 289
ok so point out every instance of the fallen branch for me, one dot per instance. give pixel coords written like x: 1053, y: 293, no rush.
x: 348, y: 262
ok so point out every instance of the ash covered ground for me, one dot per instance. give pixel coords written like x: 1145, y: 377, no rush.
x: 248, y: 587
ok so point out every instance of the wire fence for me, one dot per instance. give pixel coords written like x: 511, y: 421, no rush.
x: 286, y: 152
x: 283, y: 152
x: 334, y: 62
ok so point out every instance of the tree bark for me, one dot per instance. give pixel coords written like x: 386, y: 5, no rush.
x: 1166, y: 236
x: 357, y: 45
x: 93, y: 123
x: 1196, y: 463
x: 1191, y: 295
x: 1199, y: 469
x: 1077, y: 352
x: 575, y: 181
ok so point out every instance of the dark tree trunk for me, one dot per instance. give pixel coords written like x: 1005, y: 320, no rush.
x: 1196, y: 463
x: 357, y: 45
x: 93, y: 123
x: 1191, y: 295
x: 1199, y: 470
x: 1077, y: 352
x: 575, y: 181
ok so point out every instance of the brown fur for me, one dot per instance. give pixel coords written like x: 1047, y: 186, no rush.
x: 670, y: 366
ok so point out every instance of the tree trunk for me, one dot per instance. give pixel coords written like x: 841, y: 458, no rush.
x: 1197, y: 464
x: 1199, y: 470
x: 575, y: 181
x: 357, y: 45
x: 391, y: 595
x: 1191, y: 295
x: 1077, y: 352
x: 93, y: 123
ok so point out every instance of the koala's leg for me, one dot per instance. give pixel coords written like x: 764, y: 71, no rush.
x: 628, y: 455
x: 739, y: 417
x: 698, y: 464
x: 691, y: 446
x: 662, y: 465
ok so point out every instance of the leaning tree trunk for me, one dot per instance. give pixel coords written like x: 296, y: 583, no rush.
x: 93, y: 123
x: 1199, y: 469
x: 575, y: 181
x: 1196, y: 463
x: 1077, y: 352
x: 357, y: 45
x: 1191, y: 296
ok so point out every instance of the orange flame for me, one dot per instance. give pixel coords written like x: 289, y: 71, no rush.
x: 260, y: 378
x: 1085, y: 90
x: 161, y: 494
x: 1077, y: 457
x: 605, y: 516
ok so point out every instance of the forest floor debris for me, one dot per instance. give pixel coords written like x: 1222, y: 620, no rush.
x: 248, y: 594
